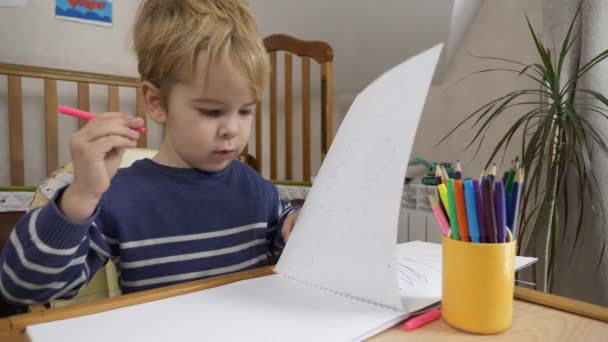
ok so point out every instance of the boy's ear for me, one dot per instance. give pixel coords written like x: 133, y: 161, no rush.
x: 156, y: 109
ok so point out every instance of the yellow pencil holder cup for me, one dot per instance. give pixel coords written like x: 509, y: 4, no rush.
x: 477, y: 285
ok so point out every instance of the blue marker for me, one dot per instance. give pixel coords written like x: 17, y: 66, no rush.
x: 469, y: 195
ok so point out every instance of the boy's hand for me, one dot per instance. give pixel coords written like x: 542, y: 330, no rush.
x: 288, y: 224
x: 97, y: 150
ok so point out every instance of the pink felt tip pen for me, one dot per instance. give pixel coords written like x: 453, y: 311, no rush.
x: 422, y: 319
x: 85, y: 115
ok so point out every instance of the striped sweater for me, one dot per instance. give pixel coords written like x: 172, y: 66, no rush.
x: 160, y: 225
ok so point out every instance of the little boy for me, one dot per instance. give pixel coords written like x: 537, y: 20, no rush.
x: 192, y: 211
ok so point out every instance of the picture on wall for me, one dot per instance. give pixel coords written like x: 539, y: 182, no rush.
x: 97, y: 12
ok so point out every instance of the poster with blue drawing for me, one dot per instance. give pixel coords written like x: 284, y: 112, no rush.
x: 97, y: 12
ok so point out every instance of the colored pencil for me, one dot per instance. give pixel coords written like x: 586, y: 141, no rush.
x: 445, y: 227
x: 443, y: 196
x: 509, y: 181
x: 482, y: 175
x: 500, y: 211
x: 489, y: 209
x: 452, y: 210
x: 481, y: 220
x: 444, y: 175
x: 517, y: 201
x: 511, y: 199
x: 438, y: 174
x: 461, y: 210
x: 469, y: 196
x: 492, y: 174
x: 457, y: 170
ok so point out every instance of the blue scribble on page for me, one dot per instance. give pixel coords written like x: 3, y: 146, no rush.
x: 419, y: 274
x: 416, y: 272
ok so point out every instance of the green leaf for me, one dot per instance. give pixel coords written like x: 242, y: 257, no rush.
x: 595, y: 95
x: 546, y: 59
x: 568, y: 87
x: 567, y: 43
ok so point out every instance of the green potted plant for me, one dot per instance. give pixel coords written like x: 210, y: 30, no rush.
x: 556, y: 145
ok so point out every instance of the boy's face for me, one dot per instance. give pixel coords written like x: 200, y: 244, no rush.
x: 209, y: 118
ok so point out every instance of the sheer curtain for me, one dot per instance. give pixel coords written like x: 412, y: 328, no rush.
x: 581, y: 275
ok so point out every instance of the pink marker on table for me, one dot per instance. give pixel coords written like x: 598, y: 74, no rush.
x: 85, y: 115
x: 422, y: 319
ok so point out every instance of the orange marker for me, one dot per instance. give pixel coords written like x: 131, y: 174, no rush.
x: 461, y: 210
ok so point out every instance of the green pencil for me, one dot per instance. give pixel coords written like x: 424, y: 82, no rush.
x: 509, y: 182
x: 452, y: 210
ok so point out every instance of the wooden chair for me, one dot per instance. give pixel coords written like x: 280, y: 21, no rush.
x: 322, y: 53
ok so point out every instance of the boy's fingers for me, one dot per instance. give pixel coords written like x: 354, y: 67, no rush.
x: 110, y: 126
x: 288, y: 225
x: 136, y: 122
x: 110, y: 142
x: 131, y: 121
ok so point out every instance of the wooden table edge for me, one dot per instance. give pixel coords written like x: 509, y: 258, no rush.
x: 18, y: 323
x: 562, y: 303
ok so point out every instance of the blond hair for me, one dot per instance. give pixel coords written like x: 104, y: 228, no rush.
x: 169, y: 34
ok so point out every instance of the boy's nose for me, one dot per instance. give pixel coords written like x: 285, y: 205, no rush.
x: 230, y: 126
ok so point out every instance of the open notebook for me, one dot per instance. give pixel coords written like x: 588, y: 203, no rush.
x: 341, y: 276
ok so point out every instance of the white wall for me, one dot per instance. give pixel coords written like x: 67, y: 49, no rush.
x: 31, y: 35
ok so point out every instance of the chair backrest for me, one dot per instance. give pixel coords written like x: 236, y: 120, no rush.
x: 320, y: 52
x: 83, y: 80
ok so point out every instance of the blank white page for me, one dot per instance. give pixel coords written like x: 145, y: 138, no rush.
x: 345, y: 235
x: 271, y: 308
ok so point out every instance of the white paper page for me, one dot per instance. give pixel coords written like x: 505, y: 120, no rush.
x: 271, y: 308
x: 345, y: 235
x: 419, y: 270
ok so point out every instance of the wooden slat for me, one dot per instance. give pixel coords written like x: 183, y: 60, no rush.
x: 67, y: 75
x: 141, y: 112
x: 288, y: 117
x: 273, y: 115
x: 113, y: 99
x: 83, y: 101
x: 319, y: 51
x: 306, y: 119
x: 18, y: 323
x: 562, y: 303
x: 258, y: 135
x: 326, y: 107
x: 52, y: 131
x: 15, y: 130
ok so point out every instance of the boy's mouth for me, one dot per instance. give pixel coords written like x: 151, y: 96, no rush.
x: 224, y: 154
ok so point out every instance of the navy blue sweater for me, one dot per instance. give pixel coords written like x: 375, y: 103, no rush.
x: 160, y: 225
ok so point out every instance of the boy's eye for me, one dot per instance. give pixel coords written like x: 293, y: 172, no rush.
x: 246, y: 111
x: 210, y: 112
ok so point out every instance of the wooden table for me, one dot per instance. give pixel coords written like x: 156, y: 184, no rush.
x: 537, y: 316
